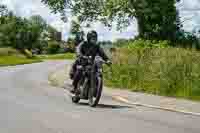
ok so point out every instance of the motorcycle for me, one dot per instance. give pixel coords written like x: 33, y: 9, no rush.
x: 90, y: 84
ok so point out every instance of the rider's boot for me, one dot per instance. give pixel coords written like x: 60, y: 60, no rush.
x: 73, y: 90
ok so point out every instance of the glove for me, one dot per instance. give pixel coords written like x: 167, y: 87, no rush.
x: 108, y: 62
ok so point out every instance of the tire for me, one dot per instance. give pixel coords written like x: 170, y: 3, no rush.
x: 94, y: 102
x: 75, y: 99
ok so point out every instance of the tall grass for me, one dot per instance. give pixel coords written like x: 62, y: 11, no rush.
x: 162, y: 71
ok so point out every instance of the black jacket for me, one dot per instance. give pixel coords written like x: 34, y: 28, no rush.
x: 86, y: 49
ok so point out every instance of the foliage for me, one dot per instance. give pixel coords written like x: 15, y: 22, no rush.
x: 39, y: 22
x: 148, y: 44
x: 167, y: 71
x: 21, y: 33
x: 53, y: 47
x: 188, y: 40
x: 104, y: 43
x: 156, y: 18
x: 75, y: 28
x: 70, y: 45
x: 8, y: 52
x: 140, y: 43
x: 76, y: 36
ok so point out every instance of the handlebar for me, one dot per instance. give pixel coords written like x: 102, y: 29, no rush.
x: 105, y: 62
x: 86, y: 57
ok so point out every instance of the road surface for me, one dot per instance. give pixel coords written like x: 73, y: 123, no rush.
x: 28, y: 104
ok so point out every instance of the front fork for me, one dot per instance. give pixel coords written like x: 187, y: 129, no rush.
x: 95, y: 73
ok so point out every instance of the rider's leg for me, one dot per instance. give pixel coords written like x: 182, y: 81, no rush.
x: 73, y: 69
x: 76, y: 79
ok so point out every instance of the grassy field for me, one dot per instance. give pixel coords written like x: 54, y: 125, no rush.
x: 57, y: 56
x: 170, y: 72
x: 10, y: 57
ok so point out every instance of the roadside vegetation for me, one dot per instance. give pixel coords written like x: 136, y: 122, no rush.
x: 29, y: 40
x: 165, y: 71
x: 16, y: 60
x: 69, y: 56
x: 10, y: 57
x: 33, y: 34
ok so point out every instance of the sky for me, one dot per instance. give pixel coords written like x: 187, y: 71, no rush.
x: 189, y: 10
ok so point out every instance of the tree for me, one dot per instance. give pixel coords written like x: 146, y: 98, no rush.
x: 76, y: 36
x: 70, y: 45
x: 3, y: 13
x: 37, y: 26
x: 21, y: 33
x: 38, y: 21
x: 75, y: 28
x: 3, y: 10
x: 53, y: 47
x: 7, y: 28
x: 156, y: 18
x: 53, y: 34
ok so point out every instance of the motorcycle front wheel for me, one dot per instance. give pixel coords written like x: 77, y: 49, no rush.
x: 95, y: 97
x: 76, y: 98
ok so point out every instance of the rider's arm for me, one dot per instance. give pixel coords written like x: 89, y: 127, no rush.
x: 102, y: 53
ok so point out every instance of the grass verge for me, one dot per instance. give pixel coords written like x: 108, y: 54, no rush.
x: 16, y: 60
x: 57, y: 56
x: 10, y: 57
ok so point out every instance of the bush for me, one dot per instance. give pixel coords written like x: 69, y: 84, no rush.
x: 140, y: 43
x: 53, y: 47
x: 148, y: 44
x: 8, y: 51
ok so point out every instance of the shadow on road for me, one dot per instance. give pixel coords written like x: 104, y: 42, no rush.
x: 103, y: 106
x: 107, y: 106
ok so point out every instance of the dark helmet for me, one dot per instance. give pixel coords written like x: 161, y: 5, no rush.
x: 92, y: 34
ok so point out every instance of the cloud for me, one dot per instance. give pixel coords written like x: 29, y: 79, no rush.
x: 26, y: 8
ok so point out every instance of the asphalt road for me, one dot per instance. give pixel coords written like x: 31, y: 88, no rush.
x: 28, y: 104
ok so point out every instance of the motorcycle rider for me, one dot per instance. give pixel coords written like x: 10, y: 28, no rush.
x: 87, y: 48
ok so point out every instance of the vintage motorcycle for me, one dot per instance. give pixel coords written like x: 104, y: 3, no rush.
x: 90, y: 84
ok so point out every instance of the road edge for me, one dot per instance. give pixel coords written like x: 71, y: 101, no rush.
x: 124, y: 100
x: 54, y: 81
